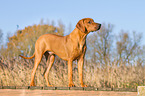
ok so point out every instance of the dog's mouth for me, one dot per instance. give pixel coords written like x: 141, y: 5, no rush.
x: 98, y: 27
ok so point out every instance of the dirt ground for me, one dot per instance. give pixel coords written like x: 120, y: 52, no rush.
x: 22, y: 92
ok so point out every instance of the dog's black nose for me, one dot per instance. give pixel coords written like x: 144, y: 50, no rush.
x: 99, y: 26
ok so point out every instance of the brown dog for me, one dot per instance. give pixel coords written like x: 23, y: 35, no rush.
x: 71, y: 47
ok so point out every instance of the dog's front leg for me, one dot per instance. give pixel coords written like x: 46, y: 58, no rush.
x: 80, y: 70
x: 70, y: 74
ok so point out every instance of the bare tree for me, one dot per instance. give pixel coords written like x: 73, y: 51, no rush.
x: 127, y: 46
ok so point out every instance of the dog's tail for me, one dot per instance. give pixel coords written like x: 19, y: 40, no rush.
x: 28, y: 57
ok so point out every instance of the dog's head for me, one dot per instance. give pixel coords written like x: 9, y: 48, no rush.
x: 87, y: 25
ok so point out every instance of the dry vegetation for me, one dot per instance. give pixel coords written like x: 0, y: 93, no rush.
x: 111, y: 61
x: 113, y: 76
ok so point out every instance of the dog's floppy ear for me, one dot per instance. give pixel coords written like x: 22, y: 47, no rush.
x: 80, y: 25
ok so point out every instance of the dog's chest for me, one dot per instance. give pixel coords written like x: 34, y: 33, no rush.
x: 80, y: 47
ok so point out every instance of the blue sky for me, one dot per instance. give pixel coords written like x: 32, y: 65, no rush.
x: 128, y: 15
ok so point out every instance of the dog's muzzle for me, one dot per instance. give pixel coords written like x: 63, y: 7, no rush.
x: 99, y: 26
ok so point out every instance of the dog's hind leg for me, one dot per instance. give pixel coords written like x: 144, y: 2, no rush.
x: 51, y: 61
x: 38, y: 58
x: 47, y: 56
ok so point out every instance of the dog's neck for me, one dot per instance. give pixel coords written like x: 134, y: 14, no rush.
x: 77, y: 34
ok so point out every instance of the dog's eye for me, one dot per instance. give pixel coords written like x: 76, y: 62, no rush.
x: 89, y: 22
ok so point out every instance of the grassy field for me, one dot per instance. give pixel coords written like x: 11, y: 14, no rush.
x: 17, y: 72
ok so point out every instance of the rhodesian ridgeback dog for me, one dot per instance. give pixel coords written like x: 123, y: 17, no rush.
x: 70, y: 47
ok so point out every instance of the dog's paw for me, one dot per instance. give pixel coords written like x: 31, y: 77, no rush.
x: 32, y: 84
x: 50, y: 85
x: 71, y: 85
x: 83, y: 85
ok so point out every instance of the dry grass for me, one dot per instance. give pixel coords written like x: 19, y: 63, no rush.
x: 18, y: 72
